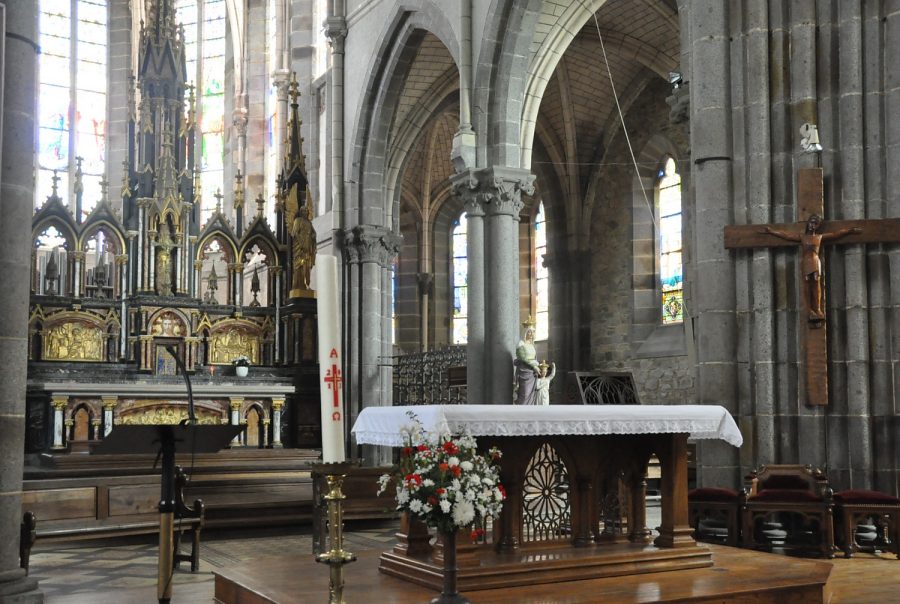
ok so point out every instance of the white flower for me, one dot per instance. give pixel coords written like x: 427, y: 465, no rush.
x: 467, y: 466
x: 445, y: 506
x: 427, y: 482
x: 453, y: 461
x: 498, y: 496
x: 456, y: 484
x: 469, y: 495
x: 487, y: 480
x: 415, y: 505
x: 463, y: 513
x: 402, y: 496
x: 426, y: 508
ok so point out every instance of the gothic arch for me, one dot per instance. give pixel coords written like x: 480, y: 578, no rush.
x: 399, y: 43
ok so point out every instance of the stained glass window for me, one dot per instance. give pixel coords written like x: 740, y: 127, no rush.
x: 72, y: 101
x: 670, y: 265
x: 541, y: 277
x: 459, y: 278
x: 204, y: 33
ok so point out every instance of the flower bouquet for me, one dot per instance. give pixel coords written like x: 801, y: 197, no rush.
x: 241, y: 365
x: 443, y: 481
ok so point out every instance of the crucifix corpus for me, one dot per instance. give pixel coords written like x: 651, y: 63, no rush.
x: 811, y: 233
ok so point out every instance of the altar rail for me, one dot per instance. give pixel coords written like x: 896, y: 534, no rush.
x: 435, y: 377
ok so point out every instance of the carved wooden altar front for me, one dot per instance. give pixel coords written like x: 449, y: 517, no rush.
x: 564, y: 518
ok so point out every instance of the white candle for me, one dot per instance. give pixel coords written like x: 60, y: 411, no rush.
x: 331, y: 379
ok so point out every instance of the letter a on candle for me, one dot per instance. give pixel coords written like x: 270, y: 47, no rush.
x: 331, y: 379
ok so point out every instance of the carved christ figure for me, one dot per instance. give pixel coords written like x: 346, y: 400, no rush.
x: 811, y: 263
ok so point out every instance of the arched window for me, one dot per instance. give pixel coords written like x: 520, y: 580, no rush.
x: 204, y: 40
x: 541, y: 274
x: 459, y: 276
x: 72, y: 98
x: 670, y: 264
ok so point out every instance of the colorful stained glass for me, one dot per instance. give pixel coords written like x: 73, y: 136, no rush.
x: 53, y: 149
x: 541, y: 277
x: 72, y: 102
x: 459, y: 281
x: 670, y: 244
x: 673, y: 306
x: 92, y: 193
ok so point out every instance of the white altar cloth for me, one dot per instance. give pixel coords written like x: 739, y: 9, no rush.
x: 381, y: 425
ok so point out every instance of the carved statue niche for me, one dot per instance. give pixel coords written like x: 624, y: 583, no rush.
x: 163, y: 267
x: 303, y: 240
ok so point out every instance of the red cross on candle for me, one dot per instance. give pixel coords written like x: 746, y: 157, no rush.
x: 333, y: 379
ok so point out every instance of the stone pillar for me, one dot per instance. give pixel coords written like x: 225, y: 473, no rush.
x: 277, y: 406
x: 502, y: 188
x: 59, y: 408
x: 16, y: 203
x: 236, y: 402
x: 376, y: 247
x: 466, y: 186
x: 78, y: 261
x: 266, y: 423
x: 109, y: 405
x: 715, y: 301
x: 275, y: 283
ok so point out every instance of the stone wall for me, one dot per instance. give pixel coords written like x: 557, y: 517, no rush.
x: 662, y: 373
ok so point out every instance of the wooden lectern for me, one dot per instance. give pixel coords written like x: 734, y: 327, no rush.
x: 165, y: 440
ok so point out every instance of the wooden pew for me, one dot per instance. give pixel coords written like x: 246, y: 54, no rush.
x: 187, y: 519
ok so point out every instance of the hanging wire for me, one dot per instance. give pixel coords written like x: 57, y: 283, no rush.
x: 612, y: 85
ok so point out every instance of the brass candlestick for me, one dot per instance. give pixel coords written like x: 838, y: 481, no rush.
x: 335, y: 557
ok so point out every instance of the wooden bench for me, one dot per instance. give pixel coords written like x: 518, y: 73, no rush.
x: 187, y: 519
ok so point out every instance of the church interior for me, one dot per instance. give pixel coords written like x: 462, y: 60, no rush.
x: 650, y: 248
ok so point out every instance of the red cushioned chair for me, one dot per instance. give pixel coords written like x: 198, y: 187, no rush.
x: 713, y: 514
x: 854, y: 506
x: 794, y: 503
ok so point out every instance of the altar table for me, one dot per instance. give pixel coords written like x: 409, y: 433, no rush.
x: 602, y: 451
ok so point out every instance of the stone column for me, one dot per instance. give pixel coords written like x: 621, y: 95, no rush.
x: 16, y: 203
x: 466, y: 186
x: 59, y: 408
x: 236, y: 402
x: 275, y: 271
x: 277, y: 406
x: 714, y: 300
x: 78, y: 262
x: 109, y: 404
x: 376, y: 247
x: 502, y: 188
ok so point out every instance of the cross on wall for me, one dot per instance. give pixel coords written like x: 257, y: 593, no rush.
x: 810, y: 233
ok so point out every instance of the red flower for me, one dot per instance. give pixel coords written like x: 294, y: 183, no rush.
x: 443, y: 467
x: 450, y: 448
x: 456, y: 471
x: 421, y: 448
x: 433, y: 500
x: 440, y: 491
x: 502, y: 490
x: 413, y: 480
x: 477, y: 534
x: 407, y: 451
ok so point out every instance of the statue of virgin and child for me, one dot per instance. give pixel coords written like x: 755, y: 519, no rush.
x: 532, y: 378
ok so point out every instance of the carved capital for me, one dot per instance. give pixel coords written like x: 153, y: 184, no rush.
x: 372, y: 244
x: 277, y: 403
x: 59, y: 401
x: 78, y: 256
x: 236, y: 402
x: 336, y: 31
x: 465, y: 186
x: 239, y: 121
x: 275, y: 270
x: 109, y: 402
x: 503, y: 189
x: 281, y: 80
x: 122, y: 259
x: 426, y: 283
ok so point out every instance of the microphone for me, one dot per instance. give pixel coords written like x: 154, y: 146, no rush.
x: 191, y: 418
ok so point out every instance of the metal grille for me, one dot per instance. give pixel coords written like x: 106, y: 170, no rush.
x: 547, y: 510
x: 436, y: 377
x: 606, y: 388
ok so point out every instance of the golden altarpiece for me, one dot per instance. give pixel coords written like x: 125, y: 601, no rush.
x: 112, y: 294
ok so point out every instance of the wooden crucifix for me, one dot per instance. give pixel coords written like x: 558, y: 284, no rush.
x: 810, y: 233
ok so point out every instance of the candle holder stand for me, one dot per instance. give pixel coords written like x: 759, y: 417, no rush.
x: 335, y: 557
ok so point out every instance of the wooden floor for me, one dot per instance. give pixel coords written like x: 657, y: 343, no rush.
x: 738, y: 576
x: 126, y: 574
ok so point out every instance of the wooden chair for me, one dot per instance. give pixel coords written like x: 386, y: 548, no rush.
x: 187, y: 519
x: 798, y: 497
x: 714, y: 513
x: 853, y: 506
